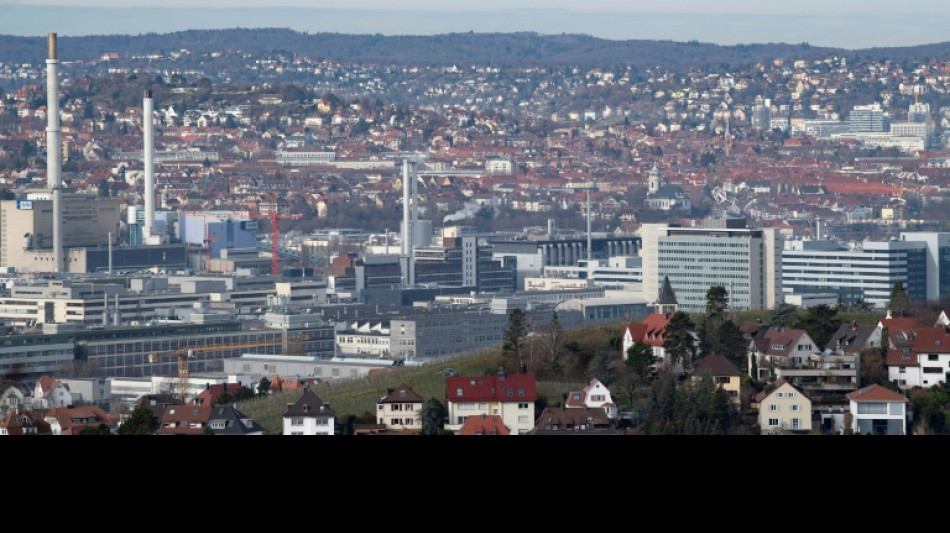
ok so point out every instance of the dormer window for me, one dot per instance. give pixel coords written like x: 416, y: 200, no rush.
x: 402, y: 394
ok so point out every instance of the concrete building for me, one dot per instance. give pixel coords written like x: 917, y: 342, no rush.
x: 531, y: 257
x: 26, y: 228
x: 863, y: 273
x: 724, y: 252
x: 868, y: 118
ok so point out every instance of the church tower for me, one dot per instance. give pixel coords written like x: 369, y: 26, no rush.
x: 654, y: 179
x: 666, y: 303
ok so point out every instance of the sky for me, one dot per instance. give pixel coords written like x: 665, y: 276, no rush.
x: 840, y: 23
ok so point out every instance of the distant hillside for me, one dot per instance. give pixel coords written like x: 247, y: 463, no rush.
x: 451, y: 48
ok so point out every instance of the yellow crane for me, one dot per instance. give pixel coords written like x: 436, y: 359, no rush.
x: 184, y: 354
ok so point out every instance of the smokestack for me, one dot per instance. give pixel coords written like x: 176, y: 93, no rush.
x: 588, y: 228
x: 115, y: 312
x: 54, y: 150
x: 550, y: 228
x: 148, y: 152
x: 406, y: 210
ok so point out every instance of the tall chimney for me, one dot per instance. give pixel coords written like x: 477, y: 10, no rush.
x: 54, y: 150
x: 589, y: 250
x: 148, y: 151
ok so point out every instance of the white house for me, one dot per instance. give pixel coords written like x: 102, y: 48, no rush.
x: 923, y: 364
x: 594, y: 395
x: 780, y: 347
x: 876, y: 410
x: 50, y: 394
x: 400, y: 409
x: 309, y: 415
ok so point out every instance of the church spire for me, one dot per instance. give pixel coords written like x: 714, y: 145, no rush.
x: 666, y: 302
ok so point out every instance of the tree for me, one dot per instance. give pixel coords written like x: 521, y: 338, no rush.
x: 732, y: 342
x: 433, y: 415
x: 679, y: 343
x: 552, y: 342
x: 821, y: 322
x: 602, y: 368
x: 717, y: 301
x: 873, y: 369
x: 640, y: 359
x: 783, y: 315
x: 263, y: 386
x: 516, y: 332
x: 140, y: 422
x: 101, y: 429
x: 900, y: 302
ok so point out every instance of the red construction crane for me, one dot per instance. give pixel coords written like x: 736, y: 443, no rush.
x: 274, y: 236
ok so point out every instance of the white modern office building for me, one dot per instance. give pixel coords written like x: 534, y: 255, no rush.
x: 724, y: 252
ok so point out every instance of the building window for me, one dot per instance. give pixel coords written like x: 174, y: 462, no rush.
x: 773, y: 407
x: 296, y: 421
x: 796, y: 423
x: 790, y: 395
x: 773, y: 422
x: 795, y: 407
x: 522, y: 405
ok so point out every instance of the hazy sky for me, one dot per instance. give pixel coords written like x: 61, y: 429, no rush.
x: 850, y: 24
x: 798, y: 7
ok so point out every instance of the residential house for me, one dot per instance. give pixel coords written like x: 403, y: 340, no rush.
x: 483, y: 425
x: 854, y: 337
x: 722, y: 372
x: 574, y: 421
x: 876, y: 410
x: 783, y: 409
x: 72, y: 420
x: 510, y: 396
x: 400, y: 409
x: 779, y: 347
x: 50, y: 394
x: 190, y: 419
x: 652, y: 330
x: 309, y: 415
x: 595, y: 395
x: 228, y: 420
x: 925, y: 363
x: 156, y: 403
x: 14, y: 397
x: 24, y: 423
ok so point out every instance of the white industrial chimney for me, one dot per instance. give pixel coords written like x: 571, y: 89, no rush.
x: 54, y: 150
x: 148, y: 152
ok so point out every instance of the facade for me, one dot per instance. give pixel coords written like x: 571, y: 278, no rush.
x: 780, y: 347
x: 722, y: 372
x: 594, y: 396
x: 531, y: 257
x: 434, y: 334
x: 925, y: 364
x: 215, y: 231
x: 864, y: 274
x: 868, y: 118
x: 878, y: 411
x: 745, y: 261
x: 937, y: 261
x: 49, y: 393
x: 510, y: 396
x: 27, y: 238
x: 401, y: 409
x: 783, y: 409
x: 309, y: 415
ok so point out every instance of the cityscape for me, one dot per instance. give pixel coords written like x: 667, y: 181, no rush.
x: 200, y: 234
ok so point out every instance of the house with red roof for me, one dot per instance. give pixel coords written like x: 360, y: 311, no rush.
x: 483, y: 425
x: 191, y: 419
x: 400, y: 409
x: 923, y: 362
x: 72, y: 420
x: 568, y: 421
x: 876, y: 410
x: 511, y: 396
x: 50, y: 393
x: 24, y: 423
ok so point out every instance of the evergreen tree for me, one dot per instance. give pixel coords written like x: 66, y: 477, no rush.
x: 140, y: 422
x: 679, y: 342
x: 515, y: 335
x: 640, y: 359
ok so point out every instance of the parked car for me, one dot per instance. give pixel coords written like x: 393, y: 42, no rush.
x: 449, y: 372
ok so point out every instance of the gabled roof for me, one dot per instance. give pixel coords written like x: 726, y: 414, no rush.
x: 235, y: 422
x: 715, y: 365
x: 876, y: 393
x: 568, y: 419
x: 309, y: 404
x: 15, y: 422
x: 73, y: 419
x: 785, y: 340
x: 510, y: 388
x: 851, y: 337
x: 902, y: 356
x: 187, y: 419
x: 932, y: 340
x: 655, y: 328
x: 401, y: 394
x: 483, y: 425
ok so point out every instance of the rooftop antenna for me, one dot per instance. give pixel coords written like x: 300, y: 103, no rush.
x: 54, y: 151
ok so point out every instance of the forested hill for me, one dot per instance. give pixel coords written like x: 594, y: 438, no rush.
x: 523, y: 48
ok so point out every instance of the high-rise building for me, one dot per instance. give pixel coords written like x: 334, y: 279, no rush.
x: 722, y: 252
x: 868, y: 118
x: 761, y: 117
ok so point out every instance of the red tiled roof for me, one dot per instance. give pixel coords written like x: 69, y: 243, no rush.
x: 655, y: 332
x: 901, y: 357
x: 511, y: 388
x: 932, y: 340
x: 876, y: 393
x: 483, y: 425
